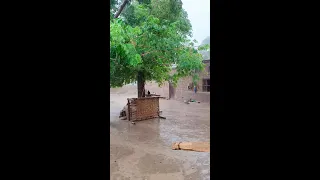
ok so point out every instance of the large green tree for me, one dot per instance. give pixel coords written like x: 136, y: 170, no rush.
x: 146, y: 38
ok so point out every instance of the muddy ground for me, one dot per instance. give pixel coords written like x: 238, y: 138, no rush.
x: 142, y: 151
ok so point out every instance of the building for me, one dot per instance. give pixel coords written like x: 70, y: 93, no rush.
x: 184, y: 89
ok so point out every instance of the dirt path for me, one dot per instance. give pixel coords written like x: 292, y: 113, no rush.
x: 143, y: 150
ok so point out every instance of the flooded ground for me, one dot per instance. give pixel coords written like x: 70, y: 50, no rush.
x: 142, y: 151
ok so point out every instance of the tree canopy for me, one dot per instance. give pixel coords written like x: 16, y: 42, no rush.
x: 147, y: 38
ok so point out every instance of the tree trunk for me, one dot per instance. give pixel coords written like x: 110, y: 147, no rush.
x: 171, y: 91
x: 121, y: 8
x: 141, y: 83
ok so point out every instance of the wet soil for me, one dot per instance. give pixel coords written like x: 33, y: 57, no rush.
x: 143, y: 150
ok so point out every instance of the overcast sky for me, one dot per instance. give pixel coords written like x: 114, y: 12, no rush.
x: 199, y: 16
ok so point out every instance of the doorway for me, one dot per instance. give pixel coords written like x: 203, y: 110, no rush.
x: 171, y: 91
x: 206, y: 85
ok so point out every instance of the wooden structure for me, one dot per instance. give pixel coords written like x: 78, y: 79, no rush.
x: 143, y: 108
x: 192, y: 146
x: 152, y: 95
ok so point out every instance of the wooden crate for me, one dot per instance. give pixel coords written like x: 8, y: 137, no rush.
x: 143, y: 108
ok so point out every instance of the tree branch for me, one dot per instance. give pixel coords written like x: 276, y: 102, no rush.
x: 164, y: 50
x: 121, y: 8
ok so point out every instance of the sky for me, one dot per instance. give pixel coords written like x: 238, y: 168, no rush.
x: 199, y: 16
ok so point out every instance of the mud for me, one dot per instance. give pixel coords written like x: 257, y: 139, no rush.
x: 143, y: 150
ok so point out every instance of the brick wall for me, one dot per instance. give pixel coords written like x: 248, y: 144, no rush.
x: 184, y: 82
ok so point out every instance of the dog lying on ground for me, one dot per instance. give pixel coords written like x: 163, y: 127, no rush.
x: 124, y: 113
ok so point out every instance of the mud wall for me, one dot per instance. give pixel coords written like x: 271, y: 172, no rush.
x: 153, y: 87
x: 181, y: 92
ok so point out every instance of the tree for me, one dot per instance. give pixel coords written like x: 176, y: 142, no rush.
x: 145, y: 42
x: 124, y: 3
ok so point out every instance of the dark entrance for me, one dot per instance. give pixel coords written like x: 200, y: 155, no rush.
x: 206, y: 85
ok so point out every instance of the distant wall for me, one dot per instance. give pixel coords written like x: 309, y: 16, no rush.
x: 181, y: 91
x: 153, y: 87
x: 199, y: 96
x: 126, y: 89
